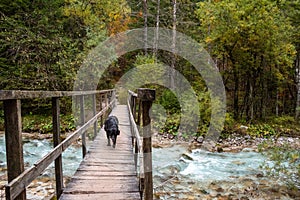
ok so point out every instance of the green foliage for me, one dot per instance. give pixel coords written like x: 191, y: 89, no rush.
x: 252, y: 40
x: 230, y: 125
x: 43, y: 123
x: 43, y: 43
x: 229, y: 120
x: 284, y: 120
x: 171, y: 125
x: 36, y: 52
x: 112, y: 16
x: 273, y: 127
x: 261, y: 130
x: 205, y: 111
x: 283, y: 162
x: 144, y: 59
x: 67, y: 123
x: 169, y: 101
x: 187, y: 21
x: 138, y: 76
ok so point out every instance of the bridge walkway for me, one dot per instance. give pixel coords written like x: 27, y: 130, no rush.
x: 107, y: 173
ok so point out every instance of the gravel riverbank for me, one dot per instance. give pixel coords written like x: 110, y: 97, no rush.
x: 171, y: 183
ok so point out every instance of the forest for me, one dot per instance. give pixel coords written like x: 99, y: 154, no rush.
x: 255, y: 45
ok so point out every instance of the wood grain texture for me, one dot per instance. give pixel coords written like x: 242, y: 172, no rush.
x: 14, y: 147
x: 105, y: 172
x: 23, y: 94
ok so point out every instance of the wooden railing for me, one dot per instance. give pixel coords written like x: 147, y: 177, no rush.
x: 139, y: 105
x: 18, y: 178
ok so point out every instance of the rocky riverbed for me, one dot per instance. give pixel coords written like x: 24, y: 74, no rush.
x: 224, y: 169
x: 212, y: 175
x: 195, y: 169
x: 234, y: 143
x: 35, y: 146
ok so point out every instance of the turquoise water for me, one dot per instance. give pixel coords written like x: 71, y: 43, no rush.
x: 222, y: 166
x: 200, y: 165
x: 205, y: 166
x: 34, y: 150
x: 175, y: 170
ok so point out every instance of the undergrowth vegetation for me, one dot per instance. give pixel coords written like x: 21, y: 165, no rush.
x: 43, y: 123
x: 272, y: 127
x: 39, y: 123
x: 283, y: 162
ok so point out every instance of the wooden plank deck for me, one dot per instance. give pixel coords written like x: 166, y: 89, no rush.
x: 107, y: 173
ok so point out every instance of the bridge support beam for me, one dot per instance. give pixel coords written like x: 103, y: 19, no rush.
x: 57, y: 141
x: 82, y: 121
x: 147, y: 96
x: 14, y: 145
x: 94, y: 113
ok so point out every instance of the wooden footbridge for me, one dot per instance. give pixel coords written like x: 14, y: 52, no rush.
x: 107, y: 173
x: 104, y: 173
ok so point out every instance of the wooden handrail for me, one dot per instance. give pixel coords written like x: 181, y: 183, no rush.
x: 134, y: 126
x: 136, y: 140
x: 142, y: 145
x: 30, y: 94
x: 16, y: 186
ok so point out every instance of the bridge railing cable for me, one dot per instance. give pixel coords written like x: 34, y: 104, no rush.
x: 18, y: 178
x: 139, y: 105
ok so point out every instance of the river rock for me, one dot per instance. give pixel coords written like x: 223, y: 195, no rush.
x: 209, y: 145
x: 248, y: 150
x: 200, y: 139
x: 194, y: 145
x: 2, y: 164
x: 238, y: 162
x: 186, y: 156
x: 233, y: 149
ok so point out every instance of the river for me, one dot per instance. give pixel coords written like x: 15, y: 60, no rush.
x: 35, y: 149
x: 178, y: 174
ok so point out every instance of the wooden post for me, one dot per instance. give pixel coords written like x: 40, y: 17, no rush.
x: 101, y: 118
x: 136, y: 153
x: 14, y: 146
x: 94, y: 113
x: 106, y: 99
x: 131, y: 103
x: 115, y: 98
x: 138, y: 120
x: 147, y: 96
x: 112, y: 98
x: 133, y: 106
x: 131, y: 100
x: 56, y: 141
x: 82, y: 121
x: 106, y: 104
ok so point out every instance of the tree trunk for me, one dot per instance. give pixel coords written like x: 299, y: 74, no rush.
x: 251, y: 101
x: 172, y: 75
x: 277, y: 102
x: 145, y: 7
x: 157, y: 29
x: 236, y: 93
x: 297, y: 67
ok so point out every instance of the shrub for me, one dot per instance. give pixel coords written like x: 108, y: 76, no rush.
x: 261, y: 130
x: 282, y: 162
